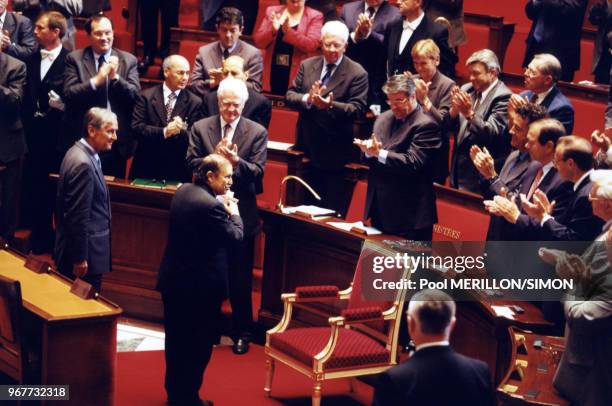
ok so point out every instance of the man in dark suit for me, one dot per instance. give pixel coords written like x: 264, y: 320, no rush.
x: 207, y: 69
x: 574, y: 162
x: 584, y: 370
x: 401, y: 36
x: 12, y: 140
x: 367, y: 21
x: 556, y: 29
x: 433, y: 92
x: 16, y: 36
x: 257, y: 108
x: 459, y: 380
x: 204, y: 225
x: 600, y: 16
x: 82, y: 211
x: 330, y: 92
x: 512, y: 173
x: 168, y: 13
x: 401, y: 154
x: 479, y: 116
x: 541, y: 78
x: 244, y: 143
x: 101, y: 76
x: 42, y: 110
x: 161, y: 120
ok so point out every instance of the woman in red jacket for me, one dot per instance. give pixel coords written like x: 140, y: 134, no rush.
x: 288, y: 33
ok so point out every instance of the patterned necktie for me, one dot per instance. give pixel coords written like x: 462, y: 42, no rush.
x: 170, y: 106
x: 536, y: 183
x: 226, y: 129
x: 101, y: 62
x: 330, y: 69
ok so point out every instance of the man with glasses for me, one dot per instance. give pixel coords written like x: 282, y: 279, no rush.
x: 330, y: 92
x: 541, y: 76
x: 244, y: 143
x: 401, y: 154
x: 207, y: 69
x: 257, y: 107
x: 106, y: 77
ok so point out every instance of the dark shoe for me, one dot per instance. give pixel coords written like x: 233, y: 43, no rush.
x: 241, y: 346
x: 144, y: 64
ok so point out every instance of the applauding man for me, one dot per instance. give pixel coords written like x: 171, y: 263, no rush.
x: 244, y: 143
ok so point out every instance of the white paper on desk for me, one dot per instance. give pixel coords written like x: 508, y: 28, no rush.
x: 358, y: 224
x: 279, y: 146
x: 503, y: 311
x: 314, y: 211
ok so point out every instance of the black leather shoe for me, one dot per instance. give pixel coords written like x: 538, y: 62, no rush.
x: 144, y: 64
x: 241, y: 346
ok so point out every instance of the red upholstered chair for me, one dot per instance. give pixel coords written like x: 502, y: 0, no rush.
x: 361, y: 341
x: 13, y: 356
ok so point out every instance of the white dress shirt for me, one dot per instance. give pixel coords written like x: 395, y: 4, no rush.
x: 409, y: 28
x: 233, y: 124
x: 47, y: 58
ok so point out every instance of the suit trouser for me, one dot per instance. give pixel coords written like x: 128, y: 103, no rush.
x: 331, y: 185
x: 191, y: 321
x: 240, y: 287
x: 9, y: 197
x: 149, y: 9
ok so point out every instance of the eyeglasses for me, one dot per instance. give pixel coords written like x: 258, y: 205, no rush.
x: 396, y: 102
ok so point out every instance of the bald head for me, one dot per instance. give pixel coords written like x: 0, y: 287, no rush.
x: 176, y: 72
x: 234, y: 67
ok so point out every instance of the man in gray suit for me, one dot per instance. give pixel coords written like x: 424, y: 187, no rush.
x: 208, y: 66
x: 12, y: 140
x: 83, y: 217
x: 101, y: 76
x: 244, y: 143
x: 479, y: 113
x: 585, y: 369
x: 330, y: 92
x: 16, y: 34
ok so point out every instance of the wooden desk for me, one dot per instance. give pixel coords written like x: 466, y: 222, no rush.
x: 528, y: 381
x: 74, y: 339
x: 301, y: 252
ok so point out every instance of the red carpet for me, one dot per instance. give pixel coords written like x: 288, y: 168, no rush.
x: 230, y: 380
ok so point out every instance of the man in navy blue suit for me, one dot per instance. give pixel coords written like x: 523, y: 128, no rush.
x: 459, y: 380
x: 367, y: 21
x: 541, y: 76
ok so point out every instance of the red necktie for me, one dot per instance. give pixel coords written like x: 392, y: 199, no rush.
x: 535, y: 183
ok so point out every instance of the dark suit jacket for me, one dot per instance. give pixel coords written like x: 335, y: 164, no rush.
x: 199, y: 234
x: 561, y: 30
x: 252, y: 141
x: 369, y: 52
x: 559, y: 107
x: 488, y: 129
x: 436, y: 376
x: 510, y: 178
x: 394, y: 62
x: 440, y: 97
x: 601, y: 17
x: 608, y: 115
x: 327, y: 135
x: 257, y: 108
x: 82, y: 216
x: 42, y: 133
x: 12, y: 82
x: 156, y: 157
x: 210, y: 56
x: 555, y: 188
x: 402, y: 187
x: 577, y: 222
x: 80, y: 97
x: 22, y: 36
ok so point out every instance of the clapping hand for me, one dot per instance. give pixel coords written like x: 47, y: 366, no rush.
x: 483, y: 161
x: 228, y: 150
x: 215, y: 77
x: 602, y: 139
x: 422, y: 90
x: 503, y: 207
x: 516, y: 101
x: 540, y: 206
x: 371, y: 146
x: 364, y: 26
x: 174, y: 127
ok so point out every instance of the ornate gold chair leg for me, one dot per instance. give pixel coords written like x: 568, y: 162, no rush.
x: 269, y: 376
x: 316, y: 394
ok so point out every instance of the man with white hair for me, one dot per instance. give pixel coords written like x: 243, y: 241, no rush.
x: 479, y: 114
x: 244, y: 143
x: 330, y: 92
x: 585, y: 369
x: 161, y: 120
x: 459, y: 380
